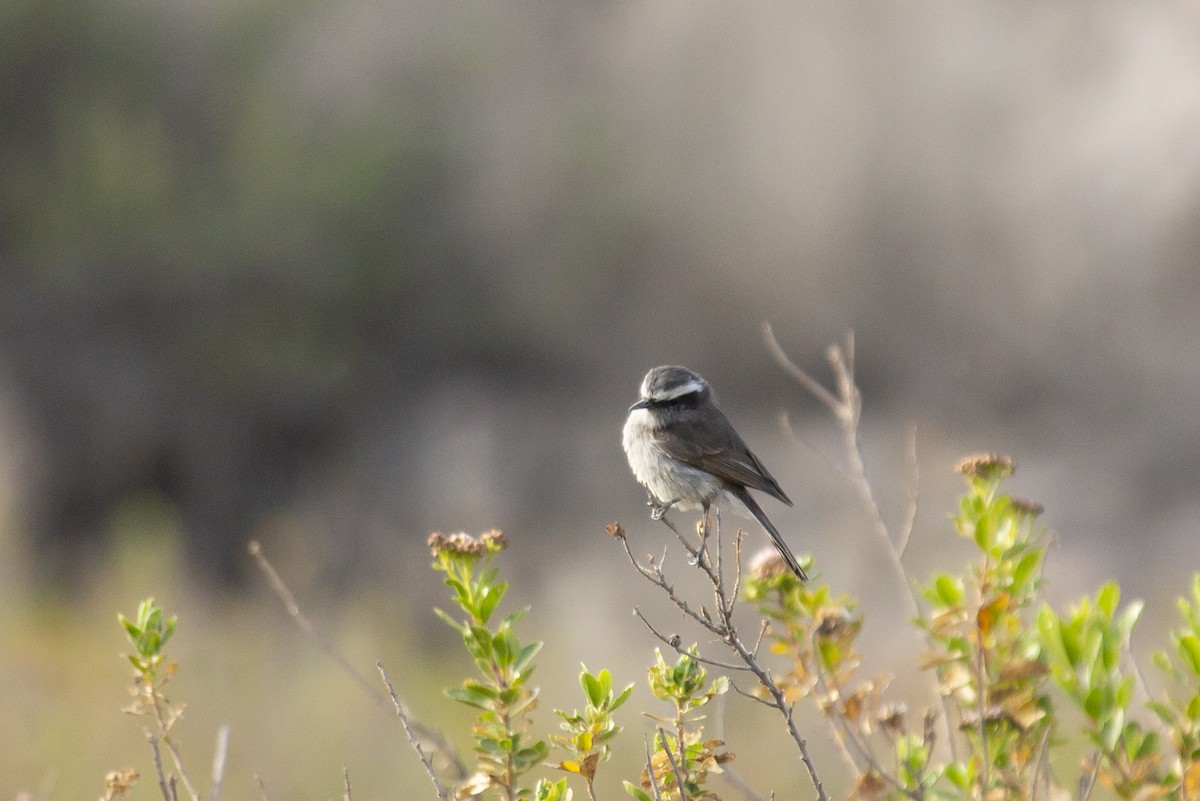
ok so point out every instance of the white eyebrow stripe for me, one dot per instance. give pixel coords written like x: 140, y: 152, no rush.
x: 681, y: 390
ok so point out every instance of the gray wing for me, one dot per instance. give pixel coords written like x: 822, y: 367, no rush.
x: 714, y: 447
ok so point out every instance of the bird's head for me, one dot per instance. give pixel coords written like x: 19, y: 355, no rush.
x: 669, y: 386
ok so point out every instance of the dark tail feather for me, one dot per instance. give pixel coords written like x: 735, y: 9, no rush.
x: 776, y: 538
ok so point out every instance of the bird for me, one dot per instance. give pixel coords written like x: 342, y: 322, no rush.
x: 686, y: 453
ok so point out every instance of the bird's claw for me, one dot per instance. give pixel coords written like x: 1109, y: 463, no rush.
x: 658, y: 510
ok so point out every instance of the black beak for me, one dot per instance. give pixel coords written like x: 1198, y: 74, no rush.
x: 642, y: 404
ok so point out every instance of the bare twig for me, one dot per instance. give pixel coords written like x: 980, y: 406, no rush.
x: 1039, y: 768
x: 346, y: 784
x: 426, y: 760
x: 164, y: 726
x: 1087, y: 780
x: 163, y: 787
x: 650, y: 771
x: 675, y: 642
x: 914, y: 487
x: 733, y: 777
x: 301, y: 620
x: 847, y: 409
x: 654, y: 574
x: 293, y: 609
x: 218, y: 771
x: 751, y: 696
x: 830, y: 687
x: 725, y: 628
x: 981, y: 688
x: 808, y: 382
x: 679, y: 778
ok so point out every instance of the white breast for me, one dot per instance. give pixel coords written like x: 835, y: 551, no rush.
x: 666, y: 478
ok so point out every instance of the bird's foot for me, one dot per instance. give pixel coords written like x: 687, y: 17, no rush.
x: 658, y: 510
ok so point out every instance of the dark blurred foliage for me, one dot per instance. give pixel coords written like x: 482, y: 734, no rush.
x: 424, y: 252
x: 207, y: 281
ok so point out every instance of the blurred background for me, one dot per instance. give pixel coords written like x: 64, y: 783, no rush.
x: 334, y: 275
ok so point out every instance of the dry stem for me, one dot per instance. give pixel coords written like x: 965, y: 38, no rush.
x: 846, y: 407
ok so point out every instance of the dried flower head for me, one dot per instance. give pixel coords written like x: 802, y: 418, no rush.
x: 891, y: 718
x: 768, y: 564
x: 988, y: 466
x: 1024, y: 506
x: 615, y: 530
x: 494, y: 540
x: 119, y: 782
x: 465, y: 545
x: 832, y: 623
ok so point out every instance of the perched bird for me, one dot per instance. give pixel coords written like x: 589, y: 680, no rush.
x: 684, y: 451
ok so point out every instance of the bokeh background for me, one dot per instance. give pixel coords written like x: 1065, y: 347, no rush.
x: 333, y: 275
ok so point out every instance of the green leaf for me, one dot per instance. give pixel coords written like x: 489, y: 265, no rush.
x: 1027, y: 567
x: 1148, y: 746
x: 1111, y: 732
x: 505, y: 647
x: 472, y: 693
x: 489, y: 599
x: 1164, y: 712
x: 491, y: 745
x: 451, y: 622
x: 637, y: 792
x: 1095, y: 704
x: 526, y: 656
x: 130, y: 627
x: 591, y: 688
x: 1129, y: 617
x: 960, y: 775
x: 1161, y: 661
x: 622, y: 698
x: 1124, y: 692
x: 1107, y: 599
x: 1189, y: 650
x: 949, y: 590
x: 1193, y: 709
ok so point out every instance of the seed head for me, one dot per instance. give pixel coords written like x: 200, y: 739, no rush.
x: 987, y: 466
x: 1025, y: 506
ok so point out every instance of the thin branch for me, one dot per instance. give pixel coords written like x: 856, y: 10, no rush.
x: 655, y: 576
x: 751, y: 696
x: 813, y: 386
x: 846, y: 408
x: 733, y: 777
x: 1087, y: 781
x: 326, y: 645
x: 980, y: 686
x: 764, y: 625
x: 724, y: 628
x: 158, y: 768
x: 650, y: 771
x: 679, y: 779
x: 164, y: 726
x: 785, y: 422
x: 218, y: 771
x: 675, y: 642
x: 426, y: 760
x: 293, y: 609
x: 1140, y: 681
x: 831, y: 688
x: 914, y: 487
x: 737, y: 581
x: 346, y: 783
x: 1039, y: 767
